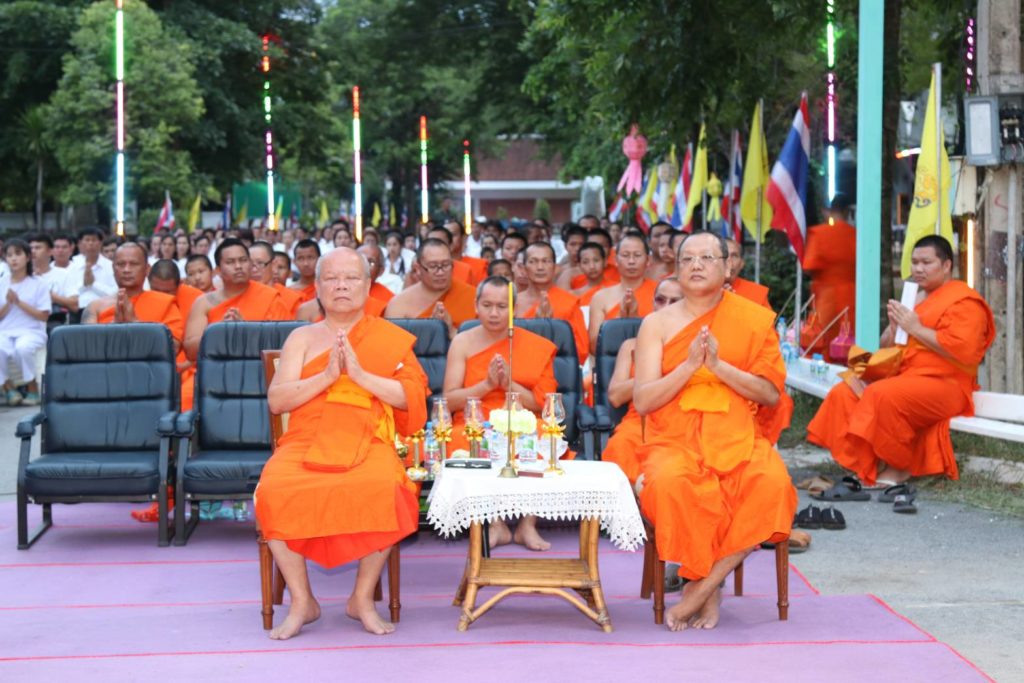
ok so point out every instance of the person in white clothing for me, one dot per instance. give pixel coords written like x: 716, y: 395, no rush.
x: 23, y: 315
x: 90, y: 275
x: 474, y: 240
x: 43, y: 268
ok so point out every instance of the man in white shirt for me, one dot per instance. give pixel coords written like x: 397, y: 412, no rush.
x: 44, y: 269
x: 90, y: 276
x: 472, y: 246
x: 63, y: 250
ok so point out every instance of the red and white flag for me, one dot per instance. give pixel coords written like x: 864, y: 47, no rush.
x: 166, y: 218
x: 733, y: 188
x: 787, y: 190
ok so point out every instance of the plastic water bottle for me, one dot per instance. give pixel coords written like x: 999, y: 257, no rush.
x: 431, y: 449
x: 780, y: 329
x: 241, y: 511
x: 820, y: 369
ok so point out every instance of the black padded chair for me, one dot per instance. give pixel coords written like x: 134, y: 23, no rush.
x: 225, y: 440
x: 431, y: 350
x: 603, y: 418
x: 110, y: 400
x: 566, y: 365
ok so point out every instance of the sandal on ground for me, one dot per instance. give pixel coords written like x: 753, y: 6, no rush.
x: 799, y: 542
x: 816, y: 485
x: 889, y: 494
x: 809, y: 517
x: 832, y: 519
x: 880, y: 485
x: 673, y: 582
x: 903, y: 503
x: 849, y: 488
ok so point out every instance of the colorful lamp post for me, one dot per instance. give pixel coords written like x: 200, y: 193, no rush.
x: 268, y: 134
x: 830, y: 47
x: 357, y: 164
x: 424, y: 195
x: 119, y: 143
x: 468, y: 200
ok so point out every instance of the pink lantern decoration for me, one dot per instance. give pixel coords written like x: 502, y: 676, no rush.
x: 634, y: 146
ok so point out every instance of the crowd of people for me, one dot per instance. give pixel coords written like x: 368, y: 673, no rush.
x: 704, y: 379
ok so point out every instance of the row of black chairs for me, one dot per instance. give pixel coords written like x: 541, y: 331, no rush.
x: 111, y: 429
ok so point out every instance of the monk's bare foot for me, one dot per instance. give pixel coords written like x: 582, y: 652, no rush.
x: 498, y: 533
x: 526, y: 535
x: 366, y: 612
x: 707, y: 617
x: 677, y: 617
x: 298, y: 616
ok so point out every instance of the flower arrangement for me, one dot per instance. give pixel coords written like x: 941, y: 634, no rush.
x: 523, y: 421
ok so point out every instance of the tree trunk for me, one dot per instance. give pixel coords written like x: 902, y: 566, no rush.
x: 891, y: 89
x: 39, y: 195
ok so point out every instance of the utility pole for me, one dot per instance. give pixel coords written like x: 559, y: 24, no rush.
x: 999, y: 72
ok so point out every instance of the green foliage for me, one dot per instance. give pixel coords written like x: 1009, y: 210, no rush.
x: 542, y: 210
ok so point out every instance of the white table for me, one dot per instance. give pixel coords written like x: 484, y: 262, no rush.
x: 595, y: 493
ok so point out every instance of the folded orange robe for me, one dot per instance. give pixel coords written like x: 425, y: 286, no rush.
x: 624, y: 443
x: 644, y: 299
x: 381, y: 293
x: 586, y: 296
x: 831, y: 260
x: 566, y: 307
x: 904, y: 420
x: 307, y: 293
x: 366, y: 503
x: 532, y: 366
x: 186, y: 297
x: 462, y: 272
x: 152, y: 307
x: 477, y: 269
x: 292, y: 299
x: 712, y: 484
x: 459, y: 301
x: 257, y: 303
x: 752, y: 291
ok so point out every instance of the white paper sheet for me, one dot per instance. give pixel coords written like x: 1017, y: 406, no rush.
x: 908, y: 299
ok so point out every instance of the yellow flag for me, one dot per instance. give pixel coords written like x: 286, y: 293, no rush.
x: 755, y: 181
x: 279, y: 211
x: 930, y: 185
x: 376, y: 218
x: 243, y: 216
x: 667, y: 204
x: 700, y: 176
x: 193, y: 215
x: 325, y: 217
x: 391, y: 216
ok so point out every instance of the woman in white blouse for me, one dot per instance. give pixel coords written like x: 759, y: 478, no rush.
x: 26, y: 306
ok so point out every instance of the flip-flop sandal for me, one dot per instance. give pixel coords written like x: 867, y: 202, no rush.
x: 849, y: 488
x: 832, y: 519
x: 889, y: 494
x: 799, y: 542
x: 819, y: 482
x: 880, y: 485
x: 673, y: 582
x: 904, y: 504
x: 809, y: 517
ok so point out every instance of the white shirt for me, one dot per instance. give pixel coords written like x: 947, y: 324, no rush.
x: 5, y: 281
x: 393, y: 282
x: 103, y: 280
x: 472, y: 246
x: 36, y: 294
x: 55, y: 279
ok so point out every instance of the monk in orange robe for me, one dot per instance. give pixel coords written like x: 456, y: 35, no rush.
x: 261, y: 255
x: 307, y: 252
x: 831, y: 261
x: 622, y: 446
x: 896, y: 428
x: 611, y: 273
x: 240, y: 299
x: 633, y: 297
x: 478, y: 367
x: 165, y: 277
x: 477, y: 267
x: 713, y: 486
x: 591, y: 259
x: 542, y: 299
x: 199, y: 273
x: 745, y: 288
x: 334, y: 490
x: 436, y: 294
x: 375, y: 257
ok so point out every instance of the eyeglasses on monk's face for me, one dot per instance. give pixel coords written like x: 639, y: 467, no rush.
x: 662, y: 300
x: 437, y: 267
x: 259, y: 264
x: 705, y: 260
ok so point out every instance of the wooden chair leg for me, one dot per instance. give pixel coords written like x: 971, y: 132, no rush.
x: 782, y: 577
x: 659, y: 591
x: 266, y: 582
x: 647, y: 578
x: 737, y: 580
x: 394, y: 583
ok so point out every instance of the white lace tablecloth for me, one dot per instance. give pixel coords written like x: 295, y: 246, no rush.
x: 587, y: 489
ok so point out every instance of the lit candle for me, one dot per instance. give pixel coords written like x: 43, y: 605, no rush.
x: 511, y: 306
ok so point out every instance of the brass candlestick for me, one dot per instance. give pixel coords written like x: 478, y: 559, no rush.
x: 474, y: 434
x: 554, y: 431
x: 417, y: 472
x: 509, y: 470
x: 443, y: 434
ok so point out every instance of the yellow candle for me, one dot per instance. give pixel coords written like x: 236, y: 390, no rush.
x: 511, y: 306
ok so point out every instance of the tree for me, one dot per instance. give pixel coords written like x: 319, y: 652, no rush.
x: 36, y: 145
x: 162, y: 101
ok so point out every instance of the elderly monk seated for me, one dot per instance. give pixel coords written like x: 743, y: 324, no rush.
x: 334, y: 490
x: 478, y: 367
x: 312, y: 311
x: 240, y: 299
x: 435, y: 294
x: 898, y: 427
x: 745, y: 288
x: 713, y: 486
x: 621, y: 448
x: 633, y: 296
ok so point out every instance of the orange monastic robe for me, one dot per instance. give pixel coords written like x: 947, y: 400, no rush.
x: 611, y: 277
x: 459, y: 301
x: 381, y: 293
x: 533, y: 367
x: 186, y: 296
x: 831, y: 259
x: 152, y: 307
x: 334, y: 489
x: 624, y: 443
x: 644, y: 299
x: 712, y: 484
x: 752, y: 291
x: 462, y: 272
x: 904, y: 420
x: 477, y: 269
x: 307, y: 293
x: 257, y: 303
x: 566, y: 307
x: 291, y: 298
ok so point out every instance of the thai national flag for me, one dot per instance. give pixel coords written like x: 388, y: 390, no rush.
x: 731, y: 195
x: 616, y: 209
x: 787, y: 189
x: 682, y: 189
x: 166, y: 217
x: 225, y: 220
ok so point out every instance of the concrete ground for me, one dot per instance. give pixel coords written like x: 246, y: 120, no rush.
x: 956, y: 571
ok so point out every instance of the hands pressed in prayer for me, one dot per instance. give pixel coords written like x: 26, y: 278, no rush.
x: 497, y: 373
x: 89, y: 277
x: 697, y: 352
x: 710, y: 345
x: 629, y: 307
x: 335, y: 362
x: 124, y: 312
x: 351, y: 361
x: 233, y: 315
x: 544, y: 309
x: 12, y: 297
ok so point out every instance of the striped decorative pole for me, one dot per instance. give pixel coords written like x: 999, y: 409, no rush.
x: 357, y: 164
x: 468, y: 200
x: 268, y: 134
x: 424, y: 198
x: 119, y: 154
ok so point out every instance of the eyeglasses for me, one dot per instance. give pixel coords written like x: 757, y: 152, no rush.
x: 436, y: 268
x: 666, y: 301
x: 260, y: 264
x: 705, y: 260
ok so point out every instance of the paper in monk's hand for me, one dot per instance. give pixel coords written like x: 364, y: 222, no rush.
x: 908, y: 299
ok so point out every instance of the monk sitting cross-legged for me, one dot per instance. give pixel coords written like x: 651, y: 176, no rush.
x: 334, y: 490
x: 898, y: 427
x: 713, y: 486
x: 622, y: 445
x: 633, y: 296
x: 436, y: 294
x: 478, y: 367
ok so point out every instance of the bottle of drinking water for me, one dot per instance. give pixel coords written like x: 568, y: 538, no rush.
x: 431, y: 449
x: 240, y: 510
x: 820, y: 369
x: 786, y: 348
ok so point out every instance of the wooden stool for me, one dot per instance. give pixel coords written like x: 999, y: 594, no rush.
x: 653, y: 578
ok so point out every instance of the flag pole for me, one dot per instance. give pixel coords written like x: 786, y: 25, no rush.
x: 760, y: 198
x: 937, y: 70
x: 704, y: 208
x: 797, y: 310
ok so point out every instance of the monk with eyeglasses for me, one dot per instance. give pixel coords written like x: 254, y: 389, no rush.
x: 435, y: 294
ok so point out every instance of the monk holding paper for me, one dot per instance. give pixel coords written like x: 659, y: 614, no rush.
x: 713, y: 486
x: 436, y: 294
x: 478, y: 367
x: 334, y: 490
x: 898, y: 427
